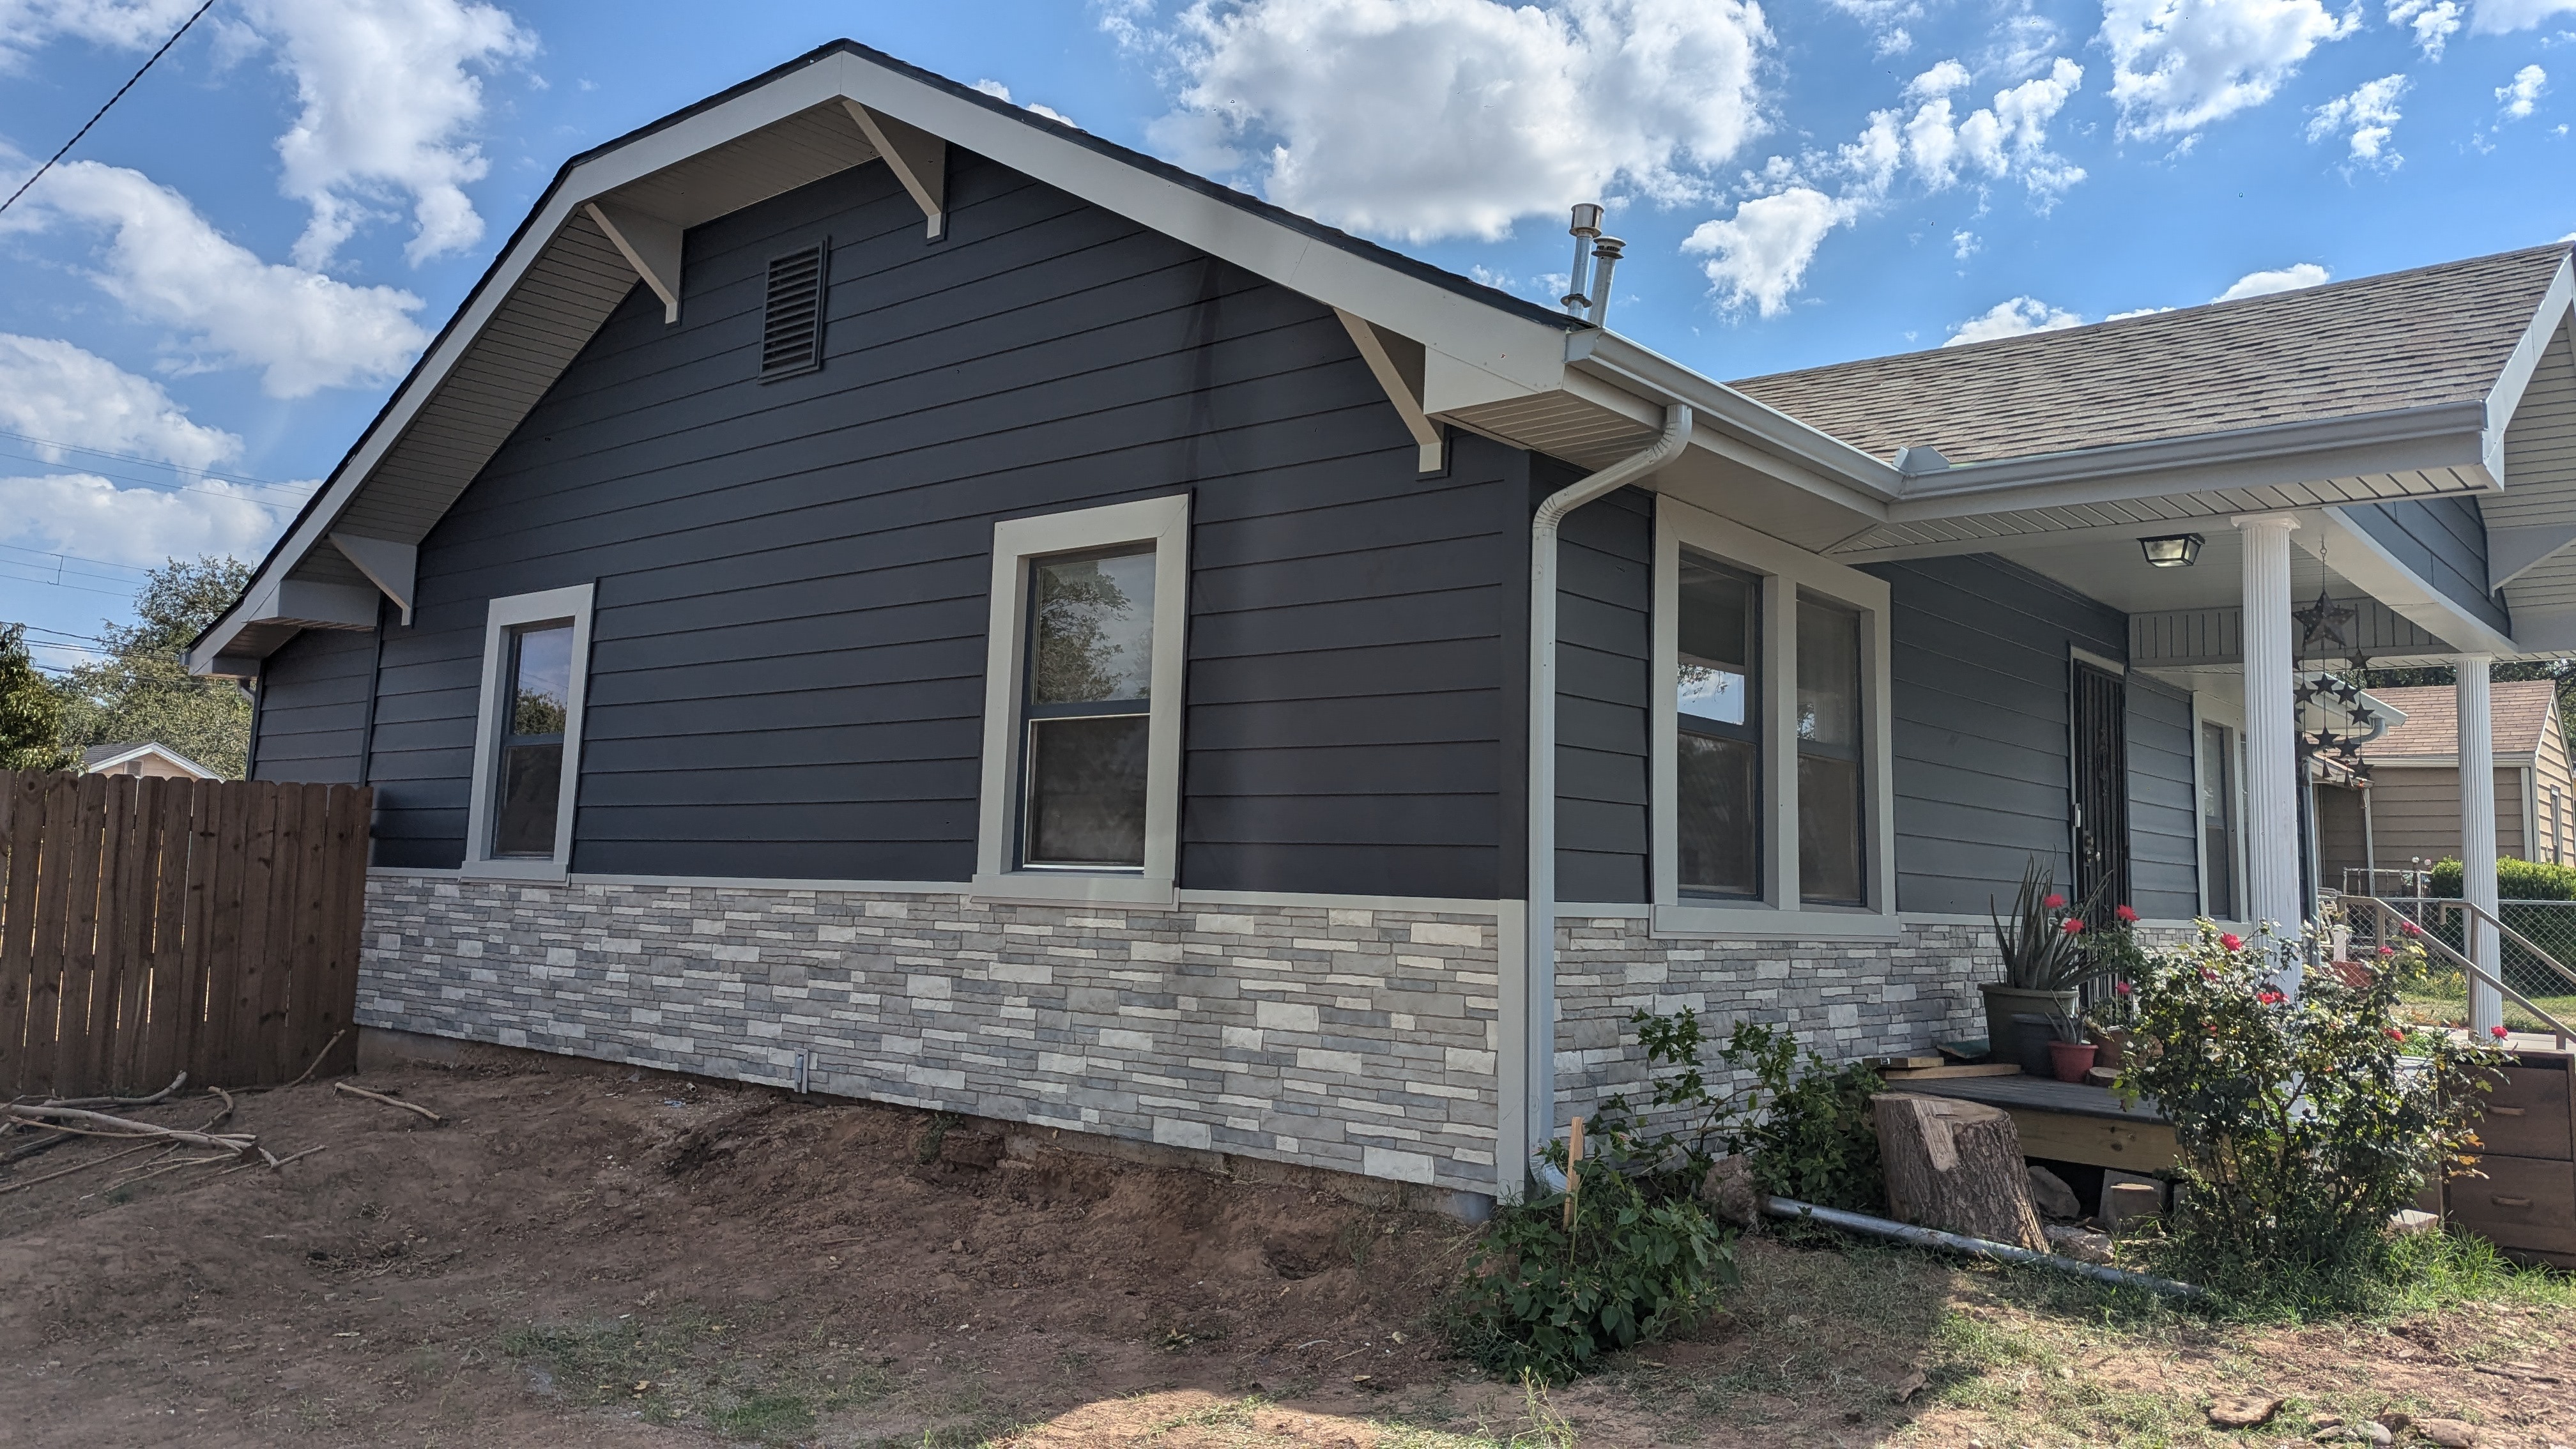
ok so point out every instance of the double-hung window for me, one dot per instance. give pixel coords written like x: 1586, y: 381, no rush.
x: 1770, y: 802
x: 527, y: 745
x: 1082, y: 704
x: 2218, y: 821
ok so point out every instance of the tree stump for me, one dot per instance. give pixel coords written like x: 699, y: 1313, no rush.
x: 1956, y: 1166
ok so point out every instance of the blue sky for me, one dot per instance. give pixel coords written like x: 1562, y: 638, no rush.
x: 204, y: 306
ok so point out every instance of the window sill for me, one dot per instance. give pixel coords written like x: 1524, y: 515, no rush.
x: 549, y: 871
x: 1048, y: 888
x: 1760, y: 922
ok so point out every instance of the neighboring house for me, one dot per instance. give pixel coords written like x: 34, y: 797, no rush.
x: 142, y: 759
x: 878, y: 584
x: 2410, y: 810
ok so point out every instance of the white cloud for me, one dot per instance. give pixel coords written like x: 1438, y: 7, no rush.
x: 2284, y: 279
x: 2005, y: 141
x: 999, y: 91
x: 2502, y: 17
x: 2369, y: 115
x: 2521, y: 93
x: 84, y: 514
x: 304, y: 330
x: 53, y: 391
x: 2135, y: 312
x: 1434, y: 118
x: 2012, y: 318
x: 2178, y: 65
x: 389, y: 90
x: 1885, y: 20
x: 1963, y: 245
x: 1760, y: 256
x: 2433, y: 21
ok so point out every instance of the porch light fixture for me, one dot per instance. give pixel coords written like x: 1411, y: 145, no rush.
x: 2173, y: 551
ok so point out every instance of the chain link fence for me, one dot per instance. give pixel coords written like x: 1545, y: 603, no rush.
x: 2541, y: 965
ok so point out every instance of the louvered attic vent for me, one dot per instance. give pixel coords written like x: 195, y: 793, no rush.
x: 791, y: 330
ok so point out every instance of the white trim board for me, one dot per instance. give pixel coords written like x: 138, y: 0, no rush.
x: 502, y: 616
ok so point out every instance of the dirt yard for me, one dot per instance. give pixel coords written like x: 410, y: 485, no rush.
x: 592, y: 1258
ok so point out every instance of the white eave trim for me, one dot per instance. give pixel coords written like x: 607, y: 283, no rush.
x: 1849, y: 475
x: 2557, y: 312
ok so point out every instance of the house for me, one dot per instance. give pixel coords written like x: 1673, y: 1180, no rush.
x: 882, y: 590
x: 2410, y: 808
x: 142, y: 758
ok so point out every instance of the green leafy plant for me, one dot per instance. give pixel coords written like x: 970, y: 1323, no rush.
x: 2044, y: 946
x: 1545, y: 1299
x: 2516, y: 880
x: 2302, y: 1121
x: 1803, y: 1124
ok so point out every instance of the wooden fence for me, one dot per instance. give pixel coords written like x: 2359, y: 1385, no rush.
x: 151, y: 926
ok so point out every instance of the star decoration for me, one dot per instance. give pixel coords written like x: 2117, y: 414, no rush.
x: 2323, y: 622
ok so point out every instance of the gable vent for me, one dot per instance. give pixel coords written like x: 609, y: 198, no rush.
x: 791, y: 329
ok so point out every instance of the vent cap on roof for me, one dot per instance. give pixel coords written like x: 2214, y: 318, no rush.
x: 791, y: 329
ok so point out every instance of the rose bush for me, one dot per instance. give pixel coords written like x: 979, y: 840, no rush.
x: 2303, y: 1120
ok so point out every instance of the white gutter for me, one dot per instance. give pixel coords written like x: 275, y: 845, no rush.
x: 1539, y: 1005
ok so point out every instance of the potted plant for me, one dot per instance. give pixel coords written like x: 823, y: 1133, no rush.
x: 2044, y: 960
x: 2070, y: 1056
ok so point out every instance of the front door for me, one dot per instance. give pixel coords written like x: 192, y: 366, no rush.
x: 2101, y: 795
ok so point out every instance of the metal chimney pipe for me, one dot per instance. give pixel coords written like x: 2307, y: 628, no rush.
x: 1605, y: 258
x: 1587, y: 225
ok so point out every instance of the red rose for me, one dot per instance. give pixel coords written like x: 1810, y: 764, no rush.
x: 2413, y: 929
x: 2395, y: 1035
x: 2127, y: 916
x: 2121, y: 988
x: 2054, y: 902
x: 2271, y: 998
x: 2072, y: 926
x: 2387, y: 951
x: 2232, y: 941
x: 2497, y: 1032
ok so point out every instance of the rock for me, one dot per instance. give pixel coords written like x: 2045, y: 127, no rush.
x: 2054, y: 1199
x: 2396, y: 1422
x: 2081, y: 1244
x: 2408, y: 1223
x: 2449, y: 1433
x: 2243, y: 1413
x: 1906, y: 1387
x: 2122, y: 1201
x: 1729, y: 1191
x: 2374, y: 1433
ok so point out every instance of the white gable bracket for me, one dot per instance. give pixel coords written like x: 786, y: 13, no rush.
x: 650, y: 245
x: 390, y: 566
x: 919, y: 159
x: 2512, y: 552
x: 1397, y: 363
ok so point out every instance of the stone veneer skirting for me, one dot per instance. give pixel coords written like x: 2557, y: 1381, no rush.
x: 1357, y: 1040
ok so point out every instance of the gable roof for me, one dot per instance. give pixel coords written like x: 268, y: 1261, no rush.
x: 2518, y: 710
x: 2406, y: 340
x: 108, y: 757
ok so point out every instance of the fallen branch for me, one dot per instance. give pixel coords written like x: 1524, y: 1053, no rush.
x: 80, y: 1167
x: 316, y: 1064
x: 272, y: 1164
x: 435, y: 1120
x: 26, y: 1150
x: 152, y: 1101
x: 64, y: 1119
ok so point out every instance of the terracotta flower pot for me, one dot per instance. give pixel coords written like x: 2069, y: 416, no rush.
x: 2071, y: 1059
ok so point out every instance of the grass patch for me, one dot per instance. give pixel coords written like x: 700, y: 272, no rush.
x: 685, y: 1369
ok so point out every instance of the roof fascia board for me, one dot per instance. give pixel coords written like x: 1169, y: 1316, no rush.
x: 2450, y: 435
x: 2505, y: 397
x: 1521, y: 354
x: 1714, y: 437
x: 1856, y: 478
x: 2357, y: 556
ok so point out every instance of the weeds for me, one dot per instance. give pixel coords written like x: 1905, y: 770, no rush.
x: 679, y: 1370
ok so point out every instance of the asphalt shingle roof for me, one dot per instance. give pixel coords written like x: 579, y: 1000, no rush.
x: 2374, y: 344
x: 2517, y: 708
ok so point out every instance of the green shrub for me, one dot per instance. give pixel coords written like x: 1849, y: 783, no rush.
x: 1543, y: 1301
x: 2516, y: 880
x: 1804, y: 1126
x: 2302, y: 1124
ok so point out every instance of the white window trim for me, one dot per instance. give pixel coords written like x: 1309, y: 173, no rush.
x: 501, y: 617
x: 1784, y: 569
x: 2214, y: 707
x: 1164, y: 523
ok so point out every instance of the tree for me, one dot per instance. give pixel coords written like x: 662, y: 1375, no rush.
x: 140, y: 689
x: 31, y: 712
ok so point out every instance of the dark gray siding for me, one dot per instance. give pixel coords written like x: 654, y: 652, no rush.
x: 313, y: 708
x: 1978, y: 691
x: 2164, y: 849
x: 2444, y: 540
x: 1605, y: 596
x: 786, y: 673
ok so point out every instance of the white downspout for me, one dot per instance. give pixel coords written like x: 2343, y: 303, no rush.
x: 1538, y: 1007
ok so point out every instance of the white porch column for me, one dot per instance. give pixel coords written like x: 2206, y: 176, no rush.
x: 2271, y: 745
x: 2478, y: 831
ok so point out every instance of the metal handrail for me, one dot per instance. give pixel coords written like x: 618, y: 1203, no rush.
x: 2508, y: 933
x: 2382, y: 910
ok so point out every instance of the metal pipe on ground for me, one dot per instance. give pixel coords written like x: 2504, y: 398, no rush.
x: 1782, y: 1207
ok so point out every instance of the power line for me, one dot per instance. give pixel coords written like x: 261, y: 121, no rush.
x: 114, y: 476
x: 227, y: 476
x: 102, y: 111
x: 75, y: 558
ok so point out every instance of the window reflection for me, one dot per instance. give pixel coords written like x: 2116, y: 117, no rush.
x: 1718, y: 773
x: 1830, y: 798
x: 1086, y: 717
x: 528, y: 790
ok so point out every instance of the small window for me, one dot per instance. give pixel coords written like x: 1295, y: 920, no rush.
x: 1719, y: 769
x: 1088, y: 711
x: 527, y: 737
x: 1832, y: 806
x: 532, y: 741
x: 791, y: 332
x: 2218, y: 820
